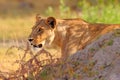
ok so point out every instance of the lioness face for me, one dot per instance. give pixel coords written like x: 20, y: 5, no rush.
x: 42, y: 33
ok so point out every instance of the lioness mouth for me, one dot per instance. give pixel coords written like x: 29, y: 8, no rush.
x: 38, y: 46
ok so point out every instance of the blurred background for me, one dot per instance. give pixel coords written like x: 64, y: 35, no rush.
x: 18, y: 16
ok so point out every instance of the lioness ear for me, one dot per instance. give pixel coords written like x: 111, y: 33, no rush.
x: 38, y: 18
x: 51, y: 21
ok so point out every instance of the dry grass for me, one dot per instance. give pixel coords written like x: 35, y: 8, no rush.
x: 15, y: 28
x: 20, y: 63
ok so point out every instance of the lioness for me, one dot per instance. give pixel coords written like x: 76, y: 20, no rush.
x: 70, y: 35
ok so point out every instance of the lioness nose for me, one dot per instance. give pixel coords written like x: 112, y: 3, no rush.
x: 30, y: 39
x: 40, y: 45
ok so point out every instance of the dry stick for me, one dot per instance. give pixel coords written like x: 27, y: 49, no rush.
x: 26, y: 51
x: 29, y: 62
x: 24, y: 67
x: 12, y: 48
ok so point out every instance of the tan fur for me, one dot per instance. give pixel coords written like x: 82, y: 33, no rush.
x: 71, y: 35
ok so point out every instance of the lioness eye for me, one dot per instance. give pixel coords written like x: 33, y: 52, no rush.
x: 39, y: 30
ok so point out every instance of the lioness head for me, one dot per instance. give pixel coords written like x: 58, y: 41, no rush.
x: 42, y: 32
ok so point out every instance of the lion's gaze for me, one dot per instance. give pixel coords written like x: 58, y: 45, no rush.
x: 43, y: 32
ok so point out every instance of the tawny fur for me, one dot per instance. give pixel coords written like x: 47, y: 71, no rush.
x: 70, y: 35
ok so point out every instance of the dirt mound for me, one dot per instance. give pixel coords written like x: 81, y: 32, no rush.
x: 100, y: 60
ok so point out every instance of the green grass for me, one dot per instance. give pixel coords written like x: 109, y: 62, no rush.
x: 105, y: 14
